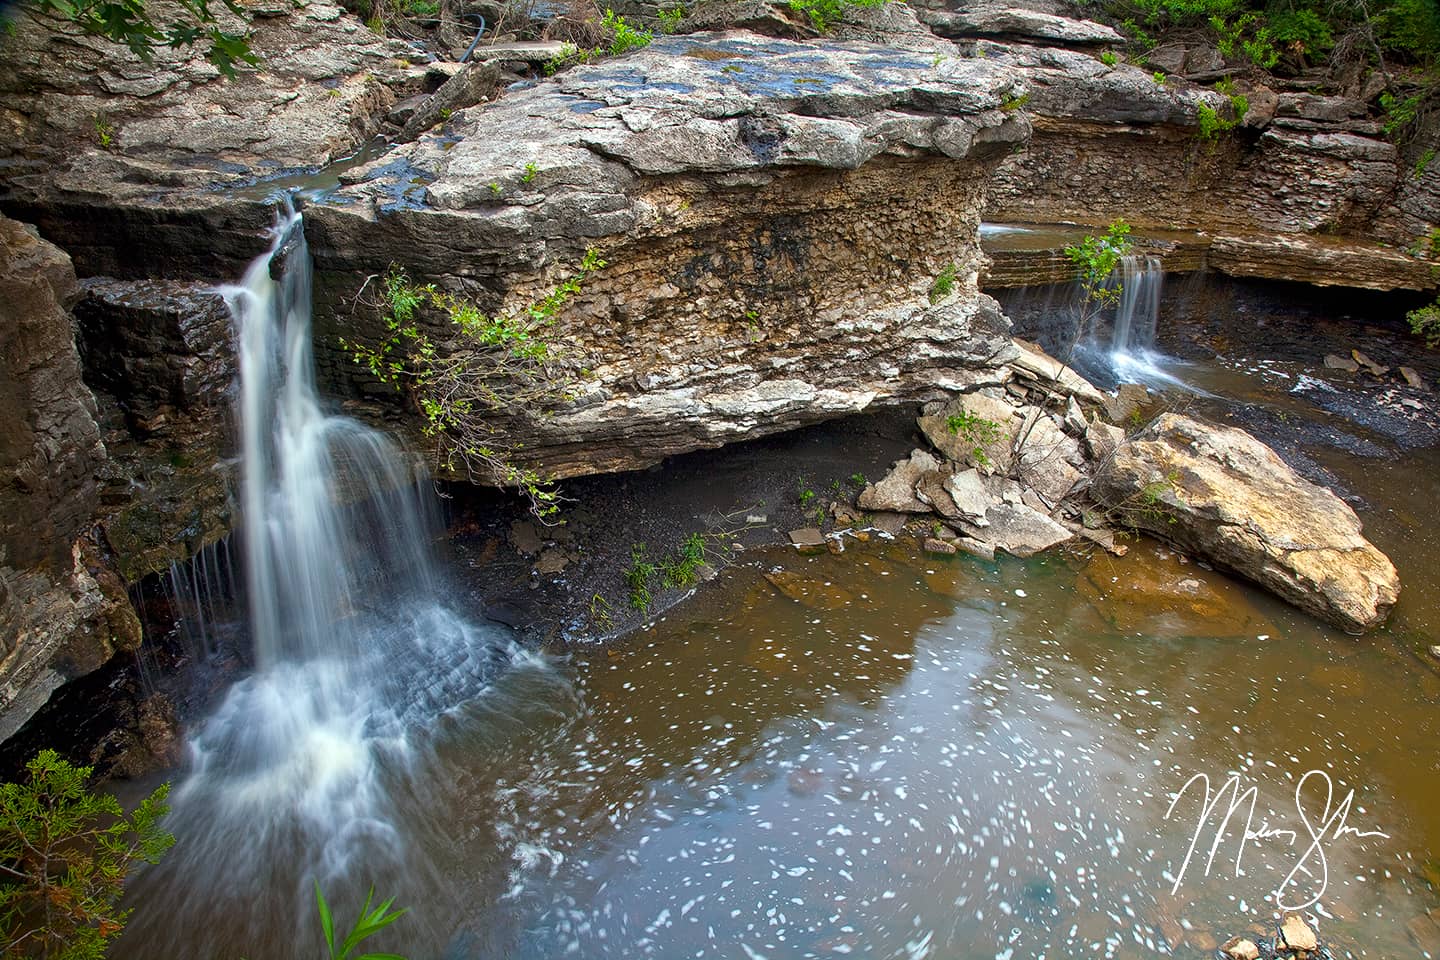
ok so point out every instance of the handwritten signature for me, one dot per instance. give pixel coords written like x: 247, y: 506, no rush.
x: 1331, y: 825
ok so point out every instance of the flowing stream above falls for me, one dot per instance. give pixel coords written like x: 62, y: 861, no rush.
x: 875, y: 754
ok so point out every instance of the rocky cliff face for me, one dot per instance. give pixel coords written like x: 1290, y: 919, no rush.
x: 774, y: 215
x: 63, y: 610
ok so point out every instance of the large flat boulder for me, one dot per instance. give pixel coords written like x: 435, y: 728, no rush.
x: 1221, y: 494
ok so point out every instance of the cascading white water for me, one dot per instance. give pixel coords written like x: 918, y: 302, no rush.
x: 311, y: 766
x: 1138, y: 310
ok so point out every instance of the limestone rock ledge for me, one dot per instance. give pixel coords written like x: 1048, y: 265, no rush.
x: 774, y: 215
x: 1220, y: 493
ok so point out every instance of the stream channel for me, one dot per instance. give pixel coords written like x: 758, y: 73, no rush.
x: 893, y: 756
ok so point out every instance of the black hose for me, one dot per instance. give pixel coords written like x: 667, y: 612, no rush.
x: 476, y: 42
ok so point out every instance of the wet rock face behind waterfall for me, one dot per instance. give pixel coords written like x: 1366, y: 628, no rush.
x: 1220, y: 493
x: 63, y: 610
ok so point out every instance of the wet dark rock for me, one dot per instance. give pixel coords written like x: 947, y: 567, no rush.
x: 939, y: 547
x: 1335, y: 362
x: 63, y: 610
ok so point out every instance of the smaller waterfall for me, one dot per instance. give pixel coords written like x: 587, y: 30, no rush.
x: 1138, y: 310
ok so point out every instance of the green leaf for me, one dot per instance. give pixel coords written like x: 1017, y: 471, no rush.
x: 327, y: 923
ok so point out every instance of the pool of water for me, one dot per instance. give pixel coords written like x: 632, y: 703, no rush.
x: 883, y: 754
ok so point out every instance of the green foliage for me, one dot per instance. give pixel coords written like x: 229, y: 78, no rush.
x: 104, y: 132
x: 129, y: 22
x: 494, y: 364
x: 824, y: 14
x: 858, y: 481
x: 683, y: 569
x: 1159, y: 77
x: 638, y: 577
x: 944, y: 284
x: 64, y: 855
x: 530, y: 172
x: 1210, y: 121
x: 1425, y: 322
x: 1423, y: 163
x: 976, y: 432
x: 1095, y: 259
x: 369, y: 923
x: 1399, y: 112
x: 671, y: 19
x: 1109, y: 58
x: 1012, y: 103
x: 1302, y: 32
x: 624, y: 37
x: 420, y: 8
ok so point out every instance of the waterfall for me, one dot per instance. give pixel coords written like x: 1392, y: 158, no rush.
x: 314, y: 765
x: 1138, y: 309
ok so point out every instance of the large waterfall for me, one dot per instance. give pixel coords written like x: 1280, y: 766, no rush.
x: 311, y: 766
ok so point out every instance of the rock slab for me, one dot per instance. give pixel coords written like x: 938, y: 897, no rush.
x: 1220, y: 493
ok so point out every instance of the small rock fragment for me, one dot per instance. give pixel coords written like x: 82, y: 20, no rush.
x: 1334, y: 362
x: 1369, y: 364
x: 1297, y: 933
x: 976, y: 548
x: 1412, y: 378
x: 807, y: 538
x: 932, y: 545
x: 1239, y: 948
x: 551, y: 561
x: 525, y: 537
x: 1074, y: 418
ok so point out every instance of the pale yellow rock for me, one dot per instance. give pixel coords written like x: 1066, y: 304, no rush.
x: 1239, y: 948
x: 1297, y: 933
x: 1219, y: 493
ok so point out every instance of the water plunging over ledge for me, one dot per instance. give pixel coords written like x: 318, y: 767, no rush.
x: 307, y: 767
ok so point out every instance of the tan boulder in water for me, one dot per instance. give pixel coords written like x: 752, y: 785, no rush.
x: 1219, y: 493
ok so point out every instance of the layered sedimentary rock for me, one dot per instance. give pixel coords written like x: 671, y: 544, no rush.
x: 774, y: 216
x: 63, y: 610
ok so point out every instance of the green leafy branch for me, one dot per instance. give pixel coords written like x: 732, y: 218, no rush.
x: 369, y: 923
x: 492, y: 366
x: 127, y: 22
x: 975, y: 432
x: 61, y: 871
x: 623, y: 37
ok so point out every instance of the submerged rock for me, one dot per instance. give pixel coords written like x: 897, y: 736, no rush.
x: 1220, y: 493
